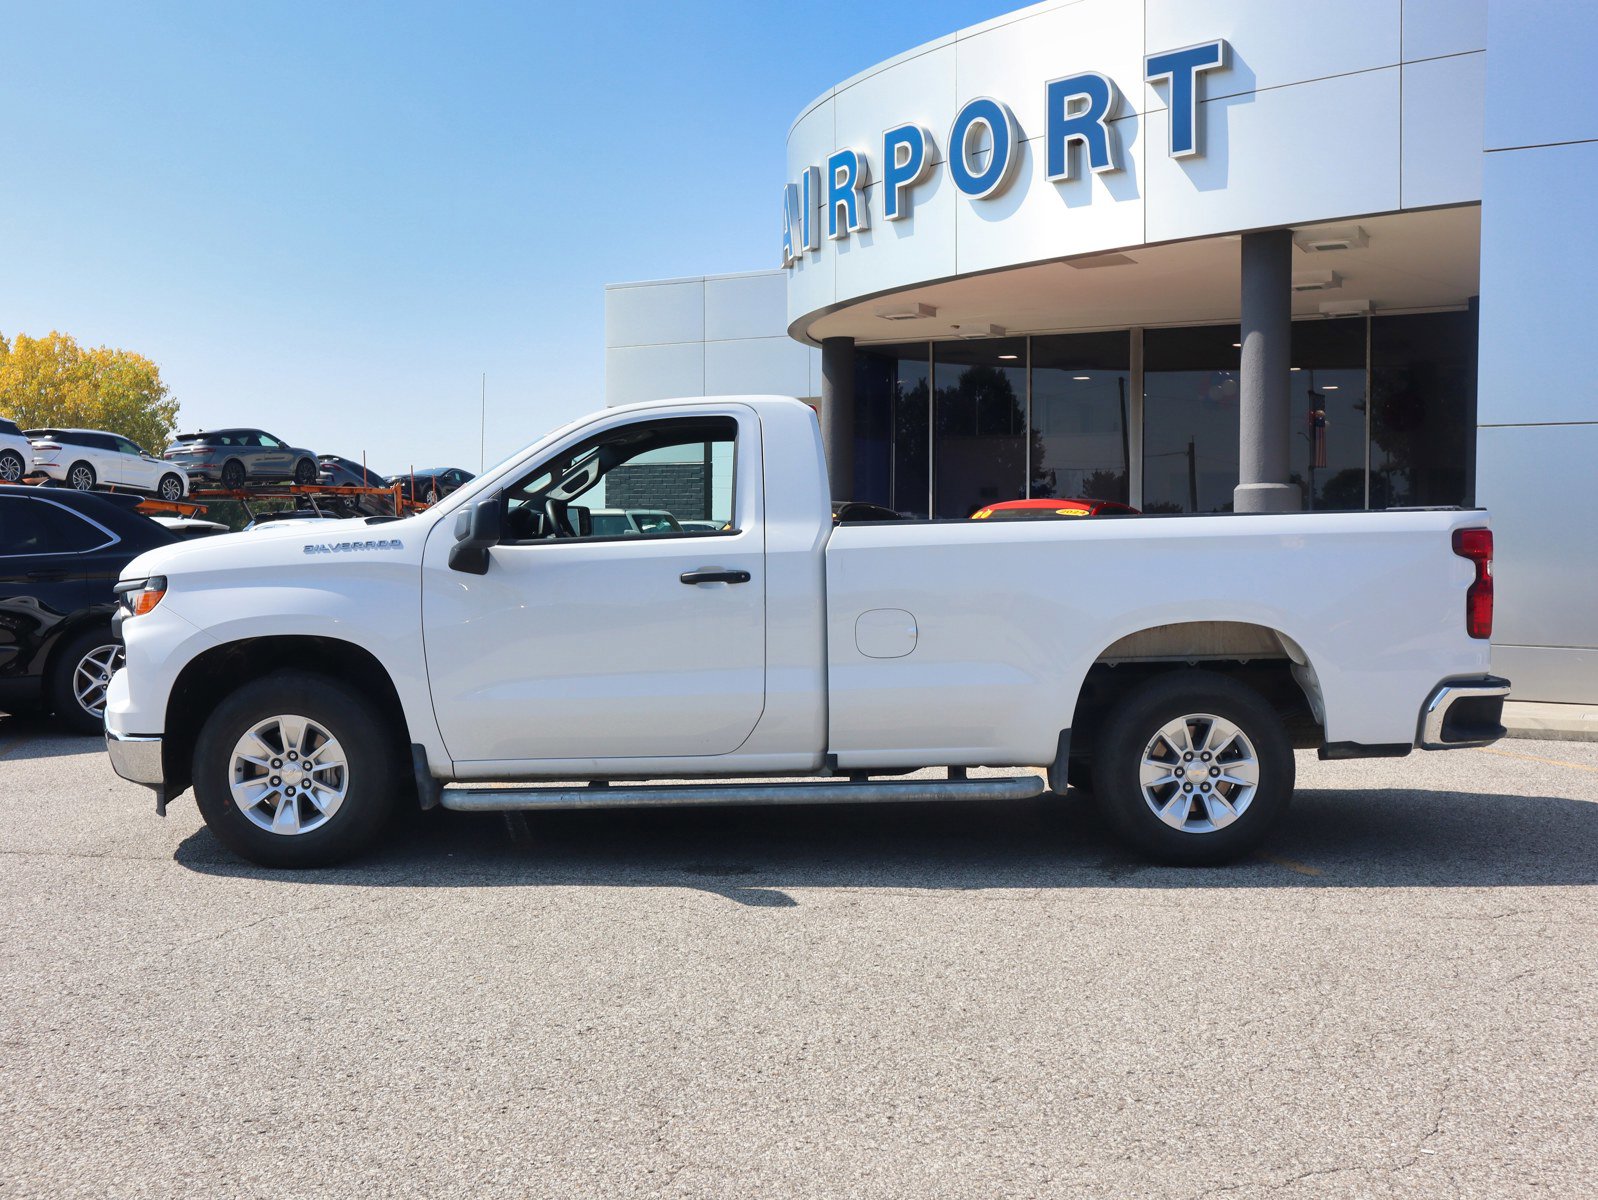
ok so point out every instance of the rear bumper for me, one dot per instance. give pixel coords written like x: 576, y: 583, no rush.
x: 1463, y: 712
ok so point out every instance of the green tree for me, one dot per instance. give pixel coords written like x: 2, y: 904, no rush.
x: 54, y: 381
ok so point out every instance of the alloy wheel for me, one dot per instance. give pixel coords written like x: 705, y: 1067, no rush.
x: 288, y: 775
x: 93, y: 675
x: 1199, y: 773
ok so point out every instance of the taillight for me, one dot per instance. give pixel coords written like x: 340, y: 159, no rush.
x: 1477, y: 545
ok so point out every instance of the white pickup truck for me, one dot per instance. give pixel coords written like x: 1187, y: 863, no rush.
x: 306, y: 681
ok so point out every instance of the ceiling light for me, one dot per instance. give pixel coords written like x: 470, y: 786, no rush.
x: 1345, y: 308
x: 1328, y: 387
x: 1317, y: 281
x: 1295, y: 368
x: 1332, y: 239
x: 1237, y: 345
x: 908, y: 312
x: 1008, y: 357
x: 1081, y: 377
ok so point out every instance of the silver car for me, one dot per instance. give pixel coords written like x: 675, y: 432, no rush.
x: 234, y: 457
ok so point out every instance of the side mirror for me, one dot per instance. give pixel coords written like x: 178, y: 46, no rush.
x: 477, y: 530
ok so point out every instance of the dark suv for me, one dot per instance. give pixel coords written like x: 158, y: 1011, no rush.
x: 234, y: 457
x: 61, y: 553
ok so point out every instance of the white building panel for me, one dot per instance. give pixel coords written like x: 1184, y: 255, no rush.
x: 1011, y: 62
x: 1318, y: 151
x: 1443, y: 103
x: 1433, y: 28
x: 1039, y: 218
x: 894, y: 254
x: 638, y: 373
x: 1276, y: 43
x: 1536, y: 480
x: 754, y: 305
x: 1540, y: 72
x: 644, y: 315
x: 776, y: 366
x: 1537, y: 288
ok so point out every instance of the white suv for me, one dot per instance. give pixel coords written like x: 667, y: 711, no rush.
x: 16, y: 454
x: 90, y: 458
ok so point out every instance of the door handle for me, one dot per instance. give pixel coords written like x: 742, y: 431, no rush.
x: 714, y: 575
x: 47, y: 574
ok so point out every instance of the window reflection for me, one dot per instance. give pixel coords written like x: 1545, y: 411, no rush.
x: 1080, y: 395
x: 979, y: 451
x: 1423, y: 409
x: 1190, y: 419
x: 1327, y: 413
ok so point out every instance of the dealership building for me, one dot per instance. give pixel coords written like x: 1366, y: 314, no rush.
x: 1196, y: 256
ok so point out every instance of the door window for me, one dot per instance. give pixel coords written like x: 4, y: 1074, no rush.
x: 126, y: 447
x: 267, y: 440
x: 29, y: 526
x: 668, y: 478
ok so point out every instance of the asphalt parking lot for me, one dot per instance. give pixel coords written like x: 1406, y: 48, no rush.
x: 955, y: 1000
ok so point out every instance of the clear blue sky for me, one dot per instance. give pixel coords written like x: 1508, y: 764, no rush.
x: 330, y: 219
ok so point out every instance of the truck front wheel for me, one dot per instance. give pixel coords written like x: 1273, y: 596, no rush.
x: 295, y: 770
x: 1193, y: 768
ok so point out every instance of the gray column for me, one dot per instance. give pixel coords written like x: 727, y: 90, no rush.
x: 837, y: 413
x: 1265, y: 426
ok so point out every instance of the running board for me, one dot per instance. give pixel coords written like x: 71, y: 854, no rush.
x: 463, y: 799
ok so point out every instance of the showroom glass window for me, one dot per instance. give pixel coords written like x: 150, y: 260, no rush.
x: 1081, y: 392
x: 979, y: 424
x: 1190, y: 418
x: 1423, y: 409
x: 891, y: 426
x: 1326, y: 416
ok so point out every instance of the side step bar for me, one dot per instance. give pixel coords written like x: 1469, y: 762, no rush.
x: 464, y: 799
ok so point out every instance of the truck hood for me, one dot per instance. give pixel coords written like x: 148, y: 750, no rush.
x: 291, y: 545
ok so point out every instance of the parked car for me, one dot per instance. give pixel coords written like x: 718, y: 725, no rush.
x: 1048, y: 508
x: 191, y: 527
x: 235, y: 457
x: 61, y: 553
x: 303, y: 681
x: 294, y: 516
x: 16, y: 452
x: 432, y: 485
x: 85, y: 459
x: 619, y: 522
x: 852, y: 511
x: 336, y: 471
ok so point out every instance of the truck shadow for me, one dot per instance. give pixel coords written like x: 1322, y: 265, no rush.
x: 756, y: 856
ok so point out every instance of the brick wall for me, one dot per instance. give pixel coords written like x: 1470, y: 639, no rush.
x: 679, y: 488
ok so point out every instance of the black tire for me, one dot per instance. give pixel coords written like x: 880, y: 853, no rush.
x: 81, y: 477
x: 305, y: 472
x: 170, y: 488
x: 370, y: 754
x: 232, y: 475
x: 1133, y: 727
x: 12, y: 468
x: 60, y: 691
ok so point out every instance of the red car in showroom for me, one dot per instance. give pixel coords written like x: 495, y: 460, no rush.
x: 1044, y: 509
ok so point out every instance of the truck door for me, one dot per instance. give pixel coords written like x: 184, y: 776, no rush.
x: 581, y: 645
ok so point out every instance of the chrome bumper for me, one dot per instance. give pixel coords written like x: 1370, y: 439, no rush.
x: 1463, y: 712
x: 136, y: 759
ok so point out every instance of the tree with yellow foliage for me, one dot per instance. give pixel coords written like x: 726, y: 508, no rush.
x: 52, y: 381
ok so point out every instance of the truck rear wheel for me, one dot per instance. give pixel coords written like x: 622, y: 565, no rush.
x: 295, y: 770
x: 1193, y: 769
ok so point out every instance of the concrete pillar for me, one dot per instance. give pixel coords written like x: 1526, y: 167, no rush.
x: 837, y: 413
x: 1265, y: 426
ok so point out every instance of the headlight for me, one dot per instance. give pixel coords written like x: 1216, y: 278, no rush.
x: 139, y: 596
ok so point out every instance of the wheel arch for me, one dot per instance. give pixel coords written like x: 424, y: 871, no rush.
x: 1262, y: 657
x: 215, y: 673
